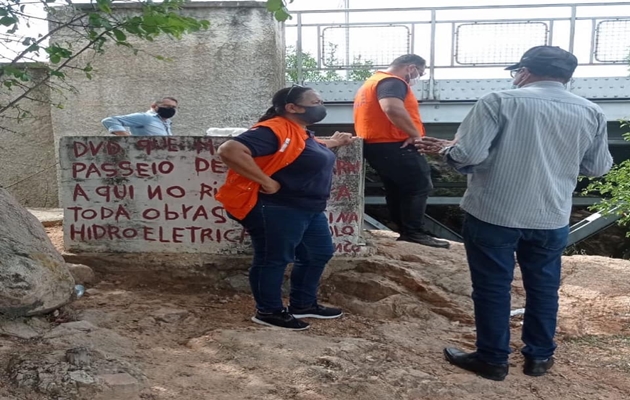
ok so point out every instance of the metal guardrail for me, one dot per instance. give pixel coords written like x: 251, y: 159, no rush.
x: 463, y: 42
x: 579, y: 231
x: 455, y: 200
x: 492, y: 42
x: 590, y: 226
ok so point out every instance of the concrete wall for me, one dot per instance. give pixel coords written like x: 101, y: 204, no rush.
x: 27, y: 154
x: 224, y: 76
x: 133, y: 195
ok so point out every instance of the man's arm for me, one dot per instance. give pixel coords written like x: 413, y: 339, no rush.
x: 116, y: 125
x: 597, y: 160
x: 475, y: 135
x: 398, y: 115
x: 391, y: 93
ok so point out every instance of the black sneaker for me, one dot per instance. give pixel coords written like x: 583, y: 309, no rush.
x: 317, y: 311
x: 425, y: 240
x: 281, y: 319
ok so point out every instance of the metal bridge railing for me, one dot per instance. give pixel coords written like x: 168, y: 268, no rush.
x: 342, y: 40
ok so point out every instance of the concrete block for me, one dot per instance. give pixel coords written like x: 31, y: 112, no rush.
x: 156, y: 195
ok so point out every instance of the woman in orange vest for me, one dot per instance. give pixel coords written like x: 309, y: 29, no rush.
x: 278, y: 183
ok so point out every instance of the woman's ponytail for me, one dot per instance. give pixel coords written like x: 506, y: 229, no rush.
x: 270, y: 113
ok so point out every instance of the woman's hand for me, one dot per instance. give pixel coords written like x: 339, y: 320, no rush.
x: 341, y: 139
x: 270, y: 187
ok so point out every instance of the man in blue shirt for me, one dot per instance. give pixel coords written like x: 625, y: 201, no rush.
x: 155, y: 122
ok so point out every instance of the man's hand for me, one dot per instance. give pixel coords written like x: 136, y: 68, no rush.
x: 410, y: 142
x: 430, y: 145
x: 121, y: 133
x: 270, y: 187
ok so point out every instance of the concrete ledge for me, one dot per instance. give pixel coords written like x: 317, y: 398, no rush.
x: 196, y: 4
x: 48, y: 216
x: 198, y: 268
x: 202, y: 269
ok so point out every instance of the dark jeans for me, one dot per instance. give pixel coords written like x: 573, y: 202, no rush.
x: 406, y: 175
x: 282, y: 235
x: 491, y: 250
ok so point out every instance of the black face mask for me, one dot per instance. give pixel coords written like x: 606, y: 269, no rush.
x: 165, y: 112
x: 313, y: 114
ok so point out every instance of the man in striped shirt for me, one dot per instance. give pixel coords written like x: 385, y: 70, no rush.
x: 523, y: 150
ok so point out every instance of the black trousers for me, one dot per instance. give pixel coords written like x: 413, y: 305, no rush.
x: 406, y: 175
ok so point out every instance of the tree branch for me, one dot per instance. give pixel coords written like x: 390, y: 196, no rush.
x: 40, y: 40
x: 47, y: 78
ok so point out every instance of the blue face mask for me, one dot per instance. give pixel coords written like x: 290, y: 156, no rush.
x: 313, y: 114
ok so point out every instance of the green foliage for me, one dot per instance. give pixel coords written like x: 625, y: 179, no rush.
x: 359, y: 70
x: 279, y: 9
x: 93, y: 25
x: 614, y: 188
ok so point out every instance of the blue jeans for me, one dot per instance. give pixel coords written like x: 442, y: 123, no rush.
x: 282, y: 235
x: 491, y: 250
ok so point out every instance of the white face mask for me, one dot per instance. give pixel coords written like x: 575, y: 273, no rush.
x: 413, y: 81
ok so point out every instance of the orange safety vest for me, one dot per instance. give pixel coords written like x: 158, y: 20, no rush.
x: 238, y: 194
x: 371, y: 123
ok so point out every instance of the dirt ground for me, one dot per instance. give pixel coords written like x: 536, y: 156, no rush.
x: 402, y: 307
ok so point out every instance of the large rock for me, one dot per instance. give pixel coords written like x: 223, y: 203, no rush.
x: 33, y: 275
x: 82, y: 274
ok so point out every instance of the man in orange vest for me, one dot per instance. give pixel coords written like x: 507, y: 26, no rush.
x: 387, y: 117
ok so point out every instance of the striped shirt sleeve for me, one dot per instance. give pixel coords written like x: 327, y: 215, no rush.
x: 475, y: 135
x: 597, y: 160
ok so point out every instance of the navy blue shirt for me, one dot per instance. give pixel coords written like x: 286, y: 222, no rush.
x: 306, y: 182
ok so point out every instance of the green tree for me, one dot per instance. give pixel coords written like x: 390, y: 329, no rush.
x: 94, y: 24
x: 359, y: 70
x: 614, y: 188
x: 279, y: 9
x: 310, y: 71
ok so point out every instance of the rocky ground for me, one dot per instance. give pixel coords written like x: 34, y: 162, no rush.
x: 127, y: 339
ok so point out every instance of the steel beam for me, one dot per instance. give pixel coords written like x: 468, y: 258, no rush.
x: 580, y: 231
x: 455, y: 112
x: 454, y: 201
x: 590, y: 226
x: 455, y: 97
x: 371, y: 223
x: 440, y: 230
